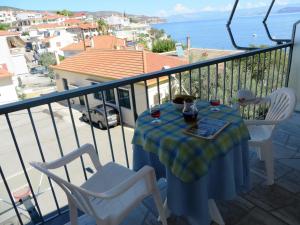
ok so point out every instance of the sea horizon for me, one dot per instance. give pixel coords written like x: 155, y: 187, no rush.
x: 247, y: 30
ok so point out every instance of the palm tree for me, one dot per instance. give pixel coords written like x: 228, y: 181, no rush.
x: 102, y: 26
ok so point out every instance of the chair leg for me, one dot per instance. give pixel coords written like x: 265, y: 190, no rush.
x: 73, y: 213
x: 214, y: 212
x: 269, y: 161
x: 159, y: 206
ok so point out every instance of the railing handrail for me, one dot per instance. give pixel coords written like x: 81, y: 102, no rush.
x: 60, y: 96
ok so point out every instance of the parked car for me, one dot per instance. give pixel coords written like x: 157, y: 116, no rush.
x: 39, y: 70
x: 98, y: 115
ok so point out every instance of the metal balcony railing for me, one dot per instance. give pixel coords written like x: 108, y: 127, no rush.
x: 261, y: 71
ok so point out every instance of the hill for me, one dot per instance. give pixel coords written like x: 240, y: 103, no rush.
x: 289, y: 10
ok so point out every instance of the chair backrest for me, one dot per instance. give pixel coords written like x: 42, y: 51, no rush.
x: 79, y: 196
x: 282, y: 104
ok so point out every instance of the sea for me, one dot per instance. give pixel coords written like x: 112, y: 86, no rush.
x: 248, y: 30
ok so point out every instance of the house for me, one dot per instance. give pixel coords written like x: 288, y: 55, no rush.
x: 27, y: 19
x: 97, y: 66
x: 12, y: 53
x: 7, y: 89
x: 53, y: 18
x: 108, y: 42
x: 117, y: 22
x: 7, y: 16
x: 60, y: 39
x: 51, y: 37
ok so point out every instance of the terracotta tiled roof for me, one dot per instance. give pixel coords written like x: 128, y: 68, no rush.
x: 8, y: 33
x: 3, y: 71
x: 72, y: 22
x: 86, y: 26
x: 48, y: 25
x: 100, y: 42
x: 117, y: 64
x: 52, y: 16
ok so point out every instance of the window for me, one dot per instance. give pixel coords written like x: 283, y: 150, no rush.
x: 124, y: 99
x: 97, y: 95
x: 65, y: 84
x: 110, y: 96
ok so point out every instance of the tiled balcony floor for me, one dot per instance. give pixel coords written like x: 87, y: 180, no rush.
x: 278, y: 204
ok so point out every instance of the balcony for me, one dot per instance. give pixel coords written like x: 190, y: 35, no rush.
x: 48, y: 127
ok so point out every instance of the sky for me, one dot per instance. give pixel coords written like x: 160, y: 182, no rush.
x: 150, y: 7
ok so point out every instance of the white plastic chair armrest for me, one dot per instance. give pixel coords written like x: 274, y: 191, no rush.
x: 261, y: 122
x: 84, y: 149
x: 257, y: 101
x: 146, y: 172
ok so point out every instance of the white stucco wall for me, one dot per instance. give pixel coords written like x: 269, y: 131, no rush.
x: 294, y: 79
x: 7, y: 91
x: 5, y: 57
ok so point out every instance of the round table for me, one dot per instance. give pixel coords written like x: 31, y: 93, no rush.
x: 196, y: 169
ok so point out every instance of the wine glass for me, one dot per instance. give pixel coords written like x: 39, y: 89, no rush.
x: 155, y: 113
x: 215, y: 102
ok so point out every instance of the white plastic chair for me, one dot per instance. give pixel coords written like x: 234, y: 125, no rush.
x: 110, y: 194
x: 281, y: 106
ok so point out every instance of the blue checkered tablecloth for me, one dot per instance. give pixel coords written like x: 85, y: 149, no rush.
x: 188, y: 157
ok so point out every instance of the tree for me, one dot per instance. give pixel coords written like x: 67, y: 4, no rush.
x: 163, y: 45
x: 47, y: 59
x: 102, y: 26
x: 4, y: 26
x: 65, y: 12
x: 156, y: 33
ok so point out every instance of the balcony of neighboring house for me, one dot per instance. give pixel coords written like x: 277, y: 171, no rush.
x: 49, y: 127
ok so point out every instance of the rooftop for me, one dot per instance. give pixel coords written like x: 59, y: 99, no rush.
x: 117, y: 64
x: 4, y: 71
x: 8, y: 33
x: 100, y: 42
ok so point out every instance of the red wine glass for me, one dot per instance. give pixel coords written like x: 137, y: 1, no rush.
x: 155, y: 113
x: 215, y: 102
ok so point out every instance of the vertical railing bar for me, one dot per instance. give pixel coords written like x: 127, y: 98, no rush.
x: 216, y: 81
x: 208, y: 83
x: 146, y: 91
x: 190, y: 85
x: 158, y: 90
x: 246, y: 71
x: 91, y: 123
x: 239, y: 74
x: 245, y: 83
x: 122, y: 127
x: 170, y: 87
x: 274, y: 66
x: 107, y: 127
x: 76, y: 137
x: 231, y: 82
x: 262, y: 80
x: 251, y: 78
x: 283, y: 69
x: 256, y: 82
x: 269, y: 70
x: 10, y: 196
x: 289, y: 61
x: 180, y: 83
x: 200, y: 84
x: 58, y: 139
x: 23, y: 165
x: 278, y: 72
x: 224, y: 83
x: 133, y: 102
x: 43, y: 157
